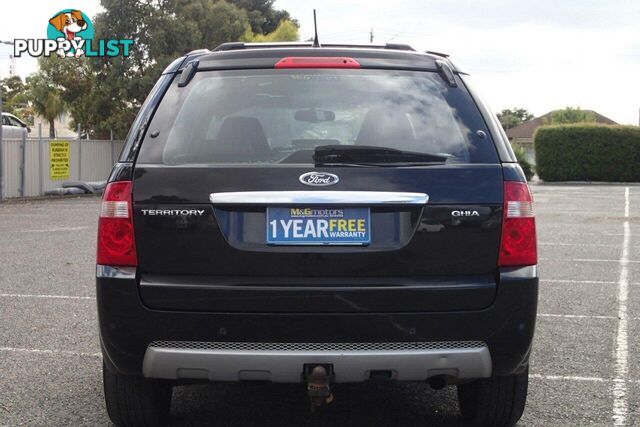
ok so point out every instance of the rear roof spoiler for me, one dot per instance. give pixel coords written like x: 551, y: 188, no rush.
x: 243, y: 45
x: 257, y: 55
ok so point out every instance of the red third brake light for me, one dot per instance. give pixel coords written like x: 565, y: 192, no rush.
x: 518, y: 242
x: 317, y: 62
x: 116, y: 242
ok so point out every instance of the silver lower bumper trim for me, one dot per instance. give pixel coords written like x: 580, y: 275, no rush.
x: 283, y: 362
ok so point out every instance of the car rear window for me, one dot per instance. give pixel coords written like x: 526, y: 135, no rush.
x: 280, y: 116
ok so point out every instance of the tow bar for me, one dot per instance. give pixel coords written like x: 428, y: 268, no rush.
x: 318, y: 386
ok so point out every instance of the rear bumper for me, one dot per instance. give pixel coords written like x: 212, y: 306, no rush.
x: 128, y: 328
x: 282, y: 362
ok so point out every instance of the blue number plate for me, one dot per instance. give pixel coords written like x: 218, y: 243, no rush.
x: 318, y: 226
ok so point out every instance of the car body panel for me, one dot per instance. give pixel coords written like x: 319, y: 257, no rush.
x: 407, y: 241
x: 429, y: 274
x: 12, y: 127
x: 128, y: 326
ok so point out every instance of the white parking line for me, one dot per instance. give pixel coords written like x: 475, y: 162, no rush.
x: 577, y: 316
x: 569, y: 378
x: 626, y: 202
x: 580, y: 378
x: 568, y: 198
x: 596, y: 282
x: 53, y: 352
x: 45, y: 296
x: 620, y: 406
x: 52, y: 230
x: 566, y: 233
x: 577, y: 244
x: 24, y: 214
x: 564, y: 212
x: 582, y: 316
x: 617, y: 261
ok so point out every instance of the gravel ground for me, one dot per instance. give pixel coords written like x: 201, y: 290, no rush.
x: 49, y: 349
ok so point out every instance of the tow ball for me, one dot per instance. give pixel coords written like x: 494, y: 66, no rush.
x: 318, y: 378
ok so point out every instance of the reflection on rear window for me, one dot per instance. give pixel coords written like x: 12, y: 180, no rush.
x: 280, y: 116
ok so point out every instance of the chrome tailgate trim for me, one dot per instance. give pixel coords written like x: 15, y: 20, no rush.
x: 273, y: 198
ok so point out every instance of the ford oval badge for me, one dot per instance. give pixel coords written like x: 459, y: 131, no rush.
x: 319, y: 179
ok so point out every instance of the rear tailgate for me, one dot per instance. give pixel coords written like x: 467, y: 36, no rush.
x: 437, y: 257
x: 258, y: 130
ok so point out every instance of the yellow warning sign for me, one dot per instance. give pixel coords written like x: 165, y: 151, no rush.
x: 59, y: 160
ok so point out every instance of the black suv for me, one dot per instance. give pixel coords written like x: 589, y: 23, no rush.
x: 300, y: 214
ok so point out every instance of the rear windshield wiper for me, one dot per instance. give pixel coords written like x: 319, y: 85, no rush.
x: 364, y: 155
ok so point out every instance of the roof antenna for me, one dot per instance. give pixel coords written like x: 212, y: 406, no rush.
x: 316, y: 42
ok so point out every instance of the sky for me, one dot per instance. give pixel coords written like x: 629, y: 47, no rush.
x: 540, y: 55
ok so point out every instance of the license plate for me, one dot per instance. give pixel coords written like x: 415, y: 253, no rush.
x: 318, y: 226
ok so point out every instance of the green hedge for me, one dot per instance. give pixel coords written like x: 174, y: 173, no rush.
x: 521, y: 156
x: 585, y: 152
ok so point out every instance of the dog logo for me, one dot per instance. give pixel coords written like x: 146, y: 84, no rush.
x: 70, y: 34
x: 69, y: 23
x: 72, y: 26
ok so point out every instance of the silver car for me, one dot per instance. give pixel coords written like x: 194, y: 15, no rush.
x: 13, y: 127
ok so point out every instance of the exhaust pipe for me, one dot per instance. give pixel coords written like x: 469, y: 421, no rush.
x: 438, y: 382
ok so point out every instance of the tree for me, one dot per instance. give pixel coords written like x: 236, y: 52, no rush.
x: 14, y: 97
x: 77, y: 87
x: 572, y: 115
x: 11, y: 86
x: 263, y: 18
x: 510, y: 118
x: 163, y: 30
x: 104, y: 94
x: 45, y: 97
x: 285, y: 31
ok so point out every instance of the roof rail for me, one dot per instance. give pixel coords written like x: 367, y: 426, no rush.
x: 243, y: 45
x: 444, y: 55
x: 193, y: 52
x: 398, y: 46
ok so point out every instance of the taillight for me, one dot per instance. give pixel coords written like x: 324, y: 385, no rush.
x: 116, y: 243
x: 317, y: 62
x: 518, y: 243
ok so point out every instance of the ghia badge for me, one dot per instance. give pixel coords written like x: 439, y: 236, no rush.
x: 464, y: 213
x: 319, y: 179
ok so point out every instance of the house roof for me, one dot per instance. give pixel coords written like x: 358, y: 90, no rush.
x: 528, y: 128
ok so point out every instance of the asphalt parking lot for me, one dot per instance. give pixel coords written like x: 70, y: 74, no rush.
x: 585, y: 365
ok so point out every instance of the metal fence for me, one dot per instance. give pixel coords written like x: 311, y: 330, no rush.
x: 27, y: 164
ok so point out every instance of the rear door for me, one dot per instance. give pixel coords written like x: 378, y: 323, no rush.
x: 230, y: 157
